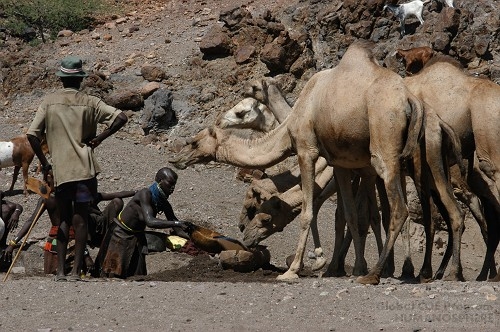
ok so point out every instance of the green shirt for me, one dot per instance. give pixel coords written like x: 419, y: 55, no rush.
x: 69, y: 118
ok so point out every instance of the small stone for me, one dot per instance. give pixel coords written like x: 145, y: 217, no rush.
x: 486, y: 289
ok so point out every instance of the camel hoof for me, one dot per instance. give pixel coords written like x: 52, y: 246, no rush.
x: 438, y: 275
x: 495, y: 279
x: 289, y: 260
x: 319, y: 263
x: 335, y: 273
x: 368, y: 279
x: 288, y: 276
x: 424, y: 280
x: 360, y: 271
x: 388, y: 272
x: 454, y: 277
x: 482, y: 277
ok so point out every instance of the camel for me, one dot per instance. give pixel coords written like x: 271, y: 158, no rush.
x: 275, y: 214
x: 279, y: 210
x: 470, y: 106
x: 250, y: 113
x: 355, y: 115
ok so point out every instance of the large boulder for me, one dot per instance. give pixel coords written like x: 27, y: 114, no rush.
x: 158, y: 113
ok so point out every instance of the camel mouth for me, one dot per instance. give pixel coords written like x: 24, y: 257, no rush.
x: 178, y: 164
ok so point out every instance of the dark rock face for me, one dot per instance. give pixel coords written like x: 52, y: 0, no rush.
x: 158, y: 113
x: 468, y: 32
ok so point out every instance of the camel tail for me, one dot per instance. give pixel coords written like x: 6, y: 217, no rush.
x: 455, y: 145
x: 414, y: 128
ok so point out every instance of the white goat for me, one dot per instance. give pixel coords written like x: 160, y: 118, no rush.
x: 402, y: 11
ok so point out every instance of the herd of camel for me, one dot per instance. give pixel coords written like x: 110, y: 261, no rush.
x: 359, y: 129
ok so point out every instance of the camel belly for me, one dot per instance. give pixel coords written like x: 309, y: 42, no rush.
x: 6, y: 150
x: 347, y: 153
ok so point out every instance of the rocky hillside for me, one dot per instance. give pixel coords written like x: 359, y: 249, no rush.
x: 173, y: 81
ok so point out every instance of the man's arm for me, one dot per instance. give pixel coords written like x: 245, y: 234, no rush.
x: 119, y: 194
x: 149, y: 215
x: 16, y: 209
x: 117, y: 124
x: 7, y: 254
x: 37, y: 148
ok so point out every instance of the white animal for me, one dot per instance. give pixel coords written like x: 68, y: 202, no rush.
x: 449, y: 3
x: 402, y: 11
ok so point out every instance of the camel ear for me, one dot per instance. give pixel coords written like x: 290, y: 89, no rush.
x: 212, y: 131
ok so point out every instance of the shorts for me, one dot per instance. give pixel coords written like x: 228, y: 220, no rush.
x: 82, y: 191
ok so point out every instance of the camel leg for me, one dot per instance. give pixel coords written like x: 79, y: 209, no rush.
x: 408, y: 271
x: 448, y: 252
x: 351, y: 216
x: 307, y: 215
x: 336, y: 267
x: 389, y: 268
x: 445, y: 192
x: 482, y: 185
x: 374, y: 214
x: 363, y: 213
x: 388, y: 169
x: 327, y: 192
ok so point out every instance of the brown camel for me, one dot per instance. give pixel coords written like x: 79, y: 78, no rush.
x: 470, y: 106
x: 355, y: 115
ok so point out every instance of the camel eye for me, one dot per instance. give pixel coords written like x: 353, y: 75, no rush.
x: 266, y: 220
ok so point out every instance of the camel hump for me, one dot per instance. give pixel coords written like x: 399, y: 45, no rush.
x: 415, y: 126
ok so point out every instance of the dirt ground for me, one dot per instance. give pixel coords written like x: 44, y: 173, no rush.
x: 193, y: 293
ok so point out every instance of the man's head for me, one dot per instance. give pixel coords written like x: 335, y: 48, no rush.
x: 166, y: 179
x: 71, y: 72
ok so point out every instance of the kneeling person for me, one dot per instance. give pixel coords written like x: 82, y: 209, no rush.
x: 123, y: 250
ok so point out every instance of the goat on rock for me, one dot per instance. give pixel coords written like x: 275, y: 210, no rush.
x: 402, y: 11
x: 415, y: 58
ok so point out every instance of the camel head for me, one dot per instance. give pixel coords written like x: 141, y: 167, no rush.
x: 273, y: 215
x: 248, y: 114
x: 259, y: 89
x: 199, y: 149
x: 254, y: 198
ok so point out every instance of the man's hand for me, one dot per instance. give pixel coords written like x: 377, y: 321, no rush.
x: 47, y: 172
x: 13, y: 221
x: 93, y: 143
x: 183, y: 229
x: 187, y: 226
x: 6, y: 255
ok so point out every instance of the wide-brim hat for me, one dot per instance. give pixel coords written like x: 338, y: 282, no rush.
x: 71, y: 67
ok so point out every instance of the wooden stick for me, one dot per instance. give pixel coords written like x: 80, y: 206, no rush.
x: 39, y: 213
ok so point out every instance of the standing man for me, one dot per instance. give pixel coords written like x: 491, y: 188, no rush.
x: 69, y: 119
